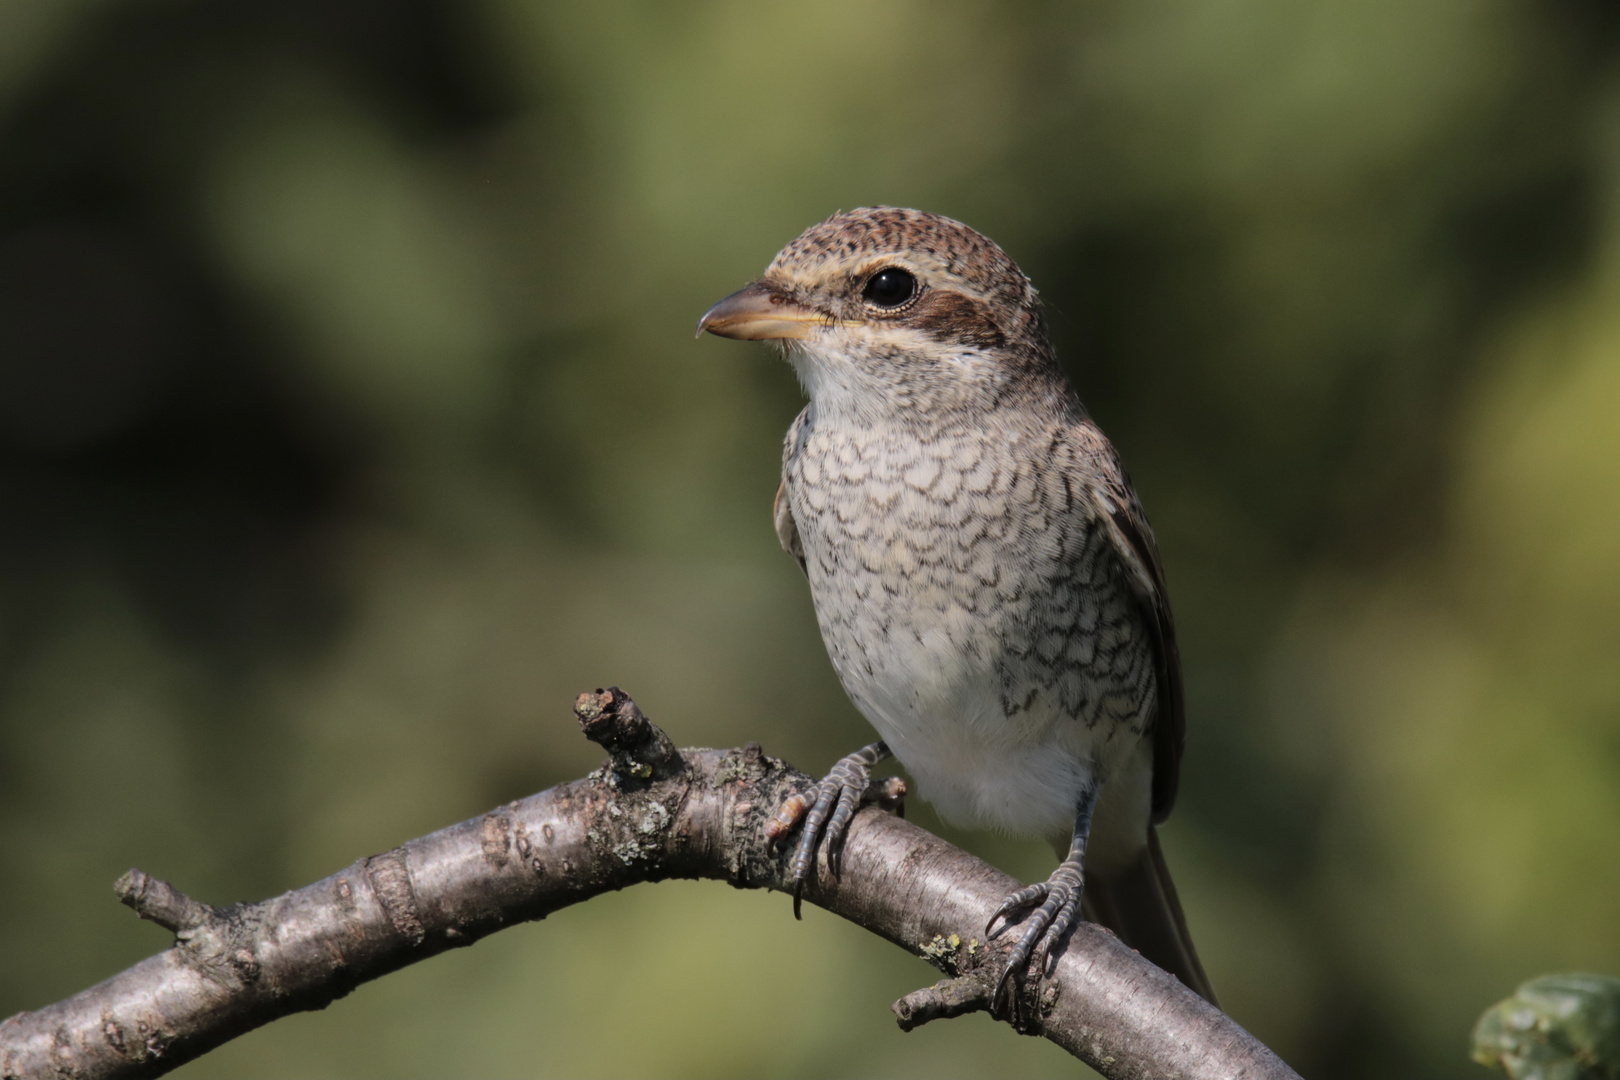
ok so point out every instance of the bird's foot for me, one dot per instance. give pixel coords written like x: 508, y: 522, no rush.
x: 1043, y: 931
x: 827, y: 809
x: 886, y: 793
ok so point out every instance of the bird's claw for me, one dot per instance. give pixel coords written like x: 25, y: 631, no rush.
x: 828, y: 816
x: 887, y: 794
x: 1043, y: 931
x: 826, y: 812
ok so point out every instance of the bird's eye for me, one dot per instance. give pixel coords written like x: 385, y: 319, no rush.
x: 890, y: 287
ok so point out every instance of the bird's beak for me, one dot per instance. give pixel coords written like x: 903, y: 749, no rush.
x: 761, y: 312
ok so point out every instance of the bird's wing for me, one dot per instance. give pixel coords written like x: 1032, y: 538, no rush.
x: 1132, y: 537
x: 786, y: 530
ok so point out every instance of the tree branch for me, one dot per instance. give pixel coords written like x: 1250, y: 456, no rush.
x: 651, y: 813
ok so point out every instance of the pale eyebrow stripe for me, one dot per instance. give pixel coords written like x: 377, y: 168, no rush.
x: 829, y: 269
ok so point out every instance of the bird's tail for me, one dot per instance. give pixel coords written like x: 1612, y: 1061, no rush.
x: 1140, y: 905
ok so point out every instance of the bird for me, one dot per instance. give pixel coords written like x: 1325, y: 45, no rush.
x: 987, y: 585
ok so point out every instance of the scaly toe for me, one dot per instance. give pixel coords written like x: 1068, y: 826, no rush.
x: 1023, y: 898
x: 825, y: 812
x: 1043, y: 931
x: 787, y: 816
x: 1061, y: 922
x: 837, y: 826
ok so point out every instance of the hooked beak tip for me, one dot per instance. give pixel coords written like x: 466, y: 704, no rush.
x: 760, y: 312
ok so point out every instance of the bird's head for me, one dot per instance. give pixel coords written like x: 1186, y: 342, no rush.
x: 890, y: 309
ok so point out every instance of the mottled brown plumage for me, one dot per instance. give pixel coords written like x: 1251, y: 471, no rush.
x: 987, y: 585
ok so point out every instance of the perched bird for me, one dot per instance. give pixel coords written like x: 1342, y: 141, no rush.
x: 986, y: 583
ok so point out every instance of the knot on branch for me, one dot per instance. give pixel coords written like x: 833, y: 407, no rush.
x: 638, y: 749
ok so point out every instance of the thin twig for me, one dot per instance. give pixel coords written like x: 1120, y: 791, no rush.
x: 651, y: 813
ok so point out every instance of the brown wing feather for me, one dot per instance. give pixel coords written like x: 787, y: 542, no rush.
x: 787, y: 531
x: 1133, y: 540
x: 1138, y: 902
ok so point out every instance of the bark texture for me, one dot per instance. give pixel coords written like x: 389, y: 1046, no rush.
x: 651, y: 813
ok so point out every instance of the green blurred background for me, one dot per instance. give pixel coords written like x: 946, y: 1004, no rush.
x: 351, y: 423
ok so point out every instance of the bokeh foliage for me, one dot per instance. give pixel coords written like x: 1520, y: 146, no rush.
x: 350, y: 423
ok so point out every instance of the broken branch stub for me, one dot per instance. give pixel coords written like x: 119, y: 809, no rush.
x: 638, y: 749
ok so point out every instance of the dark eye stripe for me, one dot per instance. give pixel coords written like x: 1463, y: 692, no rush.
x: 957, y: 320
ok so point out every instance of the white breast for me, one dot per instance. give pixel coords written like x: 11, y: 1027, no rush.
x: 926, y: 568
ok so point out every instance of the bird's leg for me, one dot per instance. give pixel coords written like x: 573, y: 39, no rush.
x: 1059, y: 899
x: 836, y: 798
